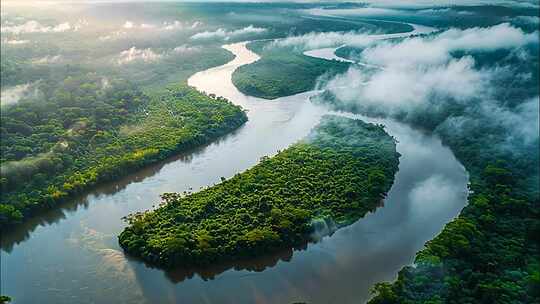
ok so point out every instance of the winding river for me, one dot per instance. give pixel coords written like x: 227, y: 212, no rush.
x: 329, y: 53
x: 71, y: 255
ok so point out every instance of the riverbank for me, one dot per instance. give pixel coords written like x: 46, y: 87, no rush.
x: 340, y: 171
x: 282, y: 71
x: 502, y: 206
x: 82, y: 237
x: 171, y: 121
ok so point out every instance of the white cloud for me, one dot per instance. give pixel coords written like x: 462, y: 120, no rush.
x: 132, y: 28
x: 135, y: 54
x: 169, y: 26
x: 48, y: 59
x: 128, y: 25
x: 33, y: 26
x: 13, y: 94
x: 520, y: 124
x: 318, y: 40
x: 15, y: 41
x: 177, y: 25
x: 421, y: 74
x: 221, y: 33
x: 165, y: 26
x: 196, y: 24
x: 522, y: 121
x: 418, y: 70
x: 147, y: 55
x: 147, y: 26
x: 435, y: 10
x: 436, y: 50
x: 401, y: 87
x: 182, y: 49
x: 105, y: 83
x: 502, y: 36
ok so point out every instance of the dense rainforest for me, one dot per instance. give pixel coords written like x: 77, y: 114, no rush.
x: 330, y: 179
x: 86, y: 129
x: 80, y: 122
x: 297, y: 73
x: 490, y: 252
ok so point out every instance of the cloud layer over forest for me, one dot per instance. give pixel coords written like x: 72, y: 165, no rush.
x: 424, y: 73
x: 224, y: 34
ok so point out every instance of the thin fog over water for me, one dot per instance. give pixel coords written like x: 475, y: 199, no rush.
x: 79, y: 251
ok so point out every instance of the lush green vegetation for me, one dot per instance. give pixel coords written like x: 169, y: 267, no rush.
x: 71, y: 116
x: 77, y: 127
x: 4, y: 299
x: 79, y: 133
x: 332, y: 178
x: 490, y: 252
x: 282, y: 71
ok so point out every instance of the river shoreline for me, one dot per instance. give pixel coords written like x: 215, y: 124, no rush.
x: 348, y: 263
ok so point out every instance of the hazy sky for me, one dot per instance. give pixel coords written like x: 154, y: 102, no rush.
x: 398, y: 3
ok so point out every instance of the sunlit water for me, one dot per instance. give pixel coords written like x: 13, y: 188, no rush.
x: 71, y: 255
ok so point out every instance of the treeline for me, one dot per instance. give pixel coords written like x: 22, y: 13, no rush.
x: 490, y: 252
x: 330, y: 179
x: 87, y: 129
x: 282, y: 71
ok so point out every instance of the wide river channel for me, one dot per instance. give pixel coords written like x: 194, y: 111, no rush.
x: 71, y: 255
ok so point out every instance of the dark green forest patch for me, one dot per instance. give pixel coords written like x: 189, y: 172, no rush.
x: 331, y: 178
x: 282, y: 71
x: 80, y: 133
x: 489, y: 253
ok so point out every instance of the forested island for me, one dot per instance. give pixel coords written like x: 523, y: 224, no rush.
x: 328, y: 180
x: 87, y: 129
x: 282, y: 71
x: 87, y: 99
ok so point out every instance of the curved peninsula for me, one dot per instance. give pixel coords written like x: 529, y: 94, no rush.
x: 333, y: 177
x: 282, y: 71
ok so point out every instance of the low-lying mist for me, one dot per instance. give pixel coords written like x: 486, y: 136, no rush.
x: 454, y: 80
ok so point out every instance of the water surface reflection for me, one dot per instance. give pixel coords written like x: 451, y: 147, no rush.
x: 22, y: 232
x: 72, y: 255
